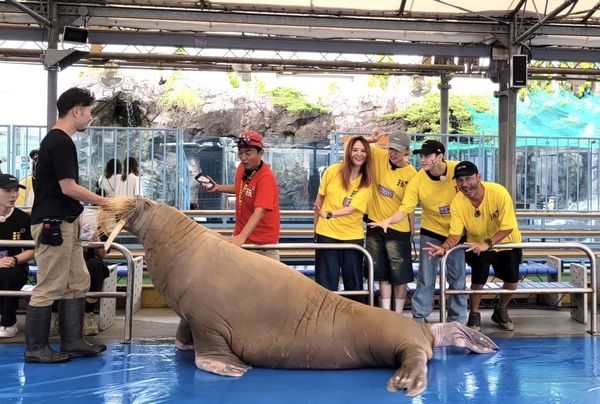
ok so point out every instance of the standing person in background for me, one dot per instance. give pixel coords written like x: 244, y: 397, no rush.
x: 129, y: 184
x: 257, y: 196
x: 62, y: 274
x: 14, y: 225
x: 392, y: 261
x: 26, y: 194
x: 485, y: 211
x: 434, y: 189
x: 339, y: 208
x: 109, y: 180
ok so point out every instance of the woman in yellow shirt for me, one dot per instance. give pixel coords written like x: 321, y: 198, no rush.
x: 339, y: 208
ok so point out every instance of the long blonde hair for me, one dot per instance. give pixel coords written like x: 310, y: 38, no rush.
x: 366, y: 170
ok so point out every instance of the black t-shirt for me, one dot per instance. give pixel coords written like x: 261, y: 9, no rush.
x: 16, y: 227
x: 57, y: 160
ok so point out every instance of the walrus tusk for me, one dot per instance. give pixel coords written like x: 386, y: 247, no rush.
x: 113, y: 234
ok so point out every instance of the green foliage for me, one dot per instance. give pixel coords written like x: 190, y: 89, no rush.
x: 578, y: 88
x: 294, y: 101
x: 333, y: 88
x: 424, y: 116
x: 260, y: 87
x: 380, y: 81
x: 234, y: 79
x: 178, y: 98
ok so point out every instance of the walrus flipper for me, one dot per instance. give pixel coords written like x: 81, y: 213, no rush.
x: 412, y: 375
x: 459, y: 335
x: 214, y: 355
x: 183, y: 338
x: 221, y: 365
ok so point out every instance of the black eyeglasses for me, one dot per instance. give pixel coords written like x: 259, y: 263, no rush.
x: 477, y: 213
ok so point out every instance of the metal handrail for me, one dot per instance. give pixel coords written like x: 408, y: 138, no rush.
x: 542, y: 246
x: 128, y: 294
x: 327, y: 246
x: 520, y: 213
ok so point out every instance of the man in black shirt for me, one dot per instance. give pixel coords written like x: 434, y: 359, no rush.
x: 62, y: 273
x: 15, y: 226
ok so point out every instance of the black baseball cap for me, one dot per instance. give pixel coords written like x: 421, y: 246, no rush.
x: 430, y: 146
x: 7, y: 181
x: 465, y: 169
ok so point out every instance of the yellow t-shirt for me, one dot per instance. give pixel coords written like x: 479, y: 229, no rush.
x: 388, y: 189
x: 25, y: 195
x: 434, y: 196
x: 496, y: 213
x: 348, y: 227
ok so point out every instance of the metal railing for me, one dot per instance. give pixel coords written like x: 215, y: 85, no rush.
x: 328, y: 246
x: 128, y: 294
x: 544, y: 246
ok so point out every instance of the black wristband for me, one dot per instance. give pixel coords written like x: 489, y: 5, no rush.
x: 489, y: 243
x: 14, y: 257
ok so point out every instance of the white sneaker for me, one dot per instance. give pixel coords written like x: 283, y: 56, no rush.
x: 8, y: 332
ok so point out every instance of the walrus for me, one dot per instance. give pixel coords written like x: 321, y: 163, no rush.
x: 239, y: 309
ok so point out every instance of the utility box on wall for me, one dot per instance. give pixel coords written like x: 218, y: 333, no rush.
x: 518, y: 71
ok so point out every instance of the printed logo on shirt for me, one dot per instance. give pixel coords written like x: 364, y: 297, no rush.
x: 385, y: 191
x: 444, y: 210
x: 3, y: 253
x: 495, y: 215
x: 16, y: 235
x: 401, y: 183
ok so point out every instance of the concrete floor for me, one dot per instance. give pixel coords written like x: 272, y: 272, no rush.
x: 160, y: 324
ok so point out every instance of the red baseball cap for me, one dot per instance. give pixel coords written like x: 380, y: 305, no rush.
x: 250, y: 138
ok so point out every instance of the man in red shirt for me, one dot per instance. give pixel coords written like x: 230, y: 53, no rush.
x: 256, y: 196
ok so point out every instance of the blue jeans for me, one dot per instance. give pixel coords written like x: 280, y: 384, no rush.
x: 329, y: 264
x: 422, y: 300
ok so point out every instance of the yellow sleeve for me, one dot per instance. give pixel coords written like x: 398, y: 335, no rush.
x: 457, y: 227
x: 508, y: 218
x: 327, y: 176
x: 411, y: 196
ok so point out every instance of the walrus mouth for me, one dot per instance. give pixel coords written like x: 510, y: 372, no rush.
x: 114, y: 215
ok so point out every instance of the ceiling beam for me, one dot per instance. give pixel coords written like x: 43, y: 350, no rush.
x: 529, y: 32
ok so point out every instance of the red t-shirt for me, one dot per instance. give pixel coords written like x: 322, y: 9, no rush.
x: 260, y: 192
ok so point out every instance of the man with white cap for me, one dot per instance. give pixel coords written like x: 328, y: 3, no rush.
x: 390, y: 250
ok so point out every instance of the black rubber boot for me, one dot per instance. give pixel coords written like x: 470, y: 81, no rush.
x: 37, y: 327
x: 70, y: 325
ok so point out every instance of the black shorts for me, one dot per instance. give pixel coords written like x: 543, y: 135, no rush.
x: 505, y: 264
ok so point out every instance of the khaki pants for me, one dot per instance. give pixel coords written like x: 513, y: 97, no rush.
x: 62, y: 273
x: 273, y: 254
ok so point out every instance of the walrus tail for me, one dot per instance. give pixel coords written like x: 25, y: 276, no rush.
x: 115, y: 210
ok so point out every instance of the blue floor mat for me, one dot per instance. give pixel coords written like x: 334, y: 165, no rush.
x: 525, y: 370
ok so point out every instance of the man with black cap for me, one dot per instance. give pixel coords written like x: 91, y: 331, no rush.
x: 485, y: 211
x: 392, y: 261
x: 62, y: 274
x: 257, y: 196
x: 14, y: 225
x: 433, y: 189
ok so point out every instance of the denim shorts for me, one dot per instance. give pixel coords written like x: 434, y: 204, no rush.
x: 392, y: 260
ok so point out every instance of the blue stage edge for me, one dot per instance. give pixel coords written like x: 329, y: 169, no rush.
x: 525, y: 370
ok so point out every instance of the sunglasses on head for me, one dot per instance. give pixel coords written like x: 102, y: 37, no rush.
x: 477, y: 213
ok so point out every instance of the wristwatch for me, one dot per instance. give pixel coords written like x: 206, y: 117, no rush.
x: 329, y: 215
x: 14, y: 257
x: 489, y: 243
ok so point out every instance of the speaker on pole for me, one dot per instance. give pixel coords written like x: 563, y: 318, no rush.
x: 518, y: 71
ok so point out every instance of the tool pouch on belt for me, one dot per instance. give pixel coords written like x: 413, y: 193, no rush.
x: 51, y: 234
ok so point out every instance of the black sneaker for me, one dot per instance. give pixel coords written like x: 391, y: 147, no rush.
x: 474, y: 321
x: 501, y: 318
